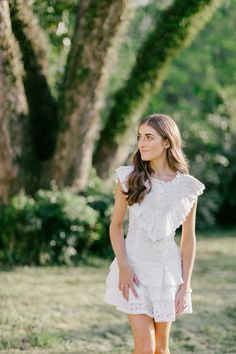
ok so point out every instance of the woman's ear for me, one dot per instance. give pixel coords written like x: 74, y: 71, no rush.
x: 167, y: 143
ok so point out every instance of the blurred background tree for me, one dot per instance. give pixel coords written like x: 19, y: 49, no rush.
x: 76, y: 78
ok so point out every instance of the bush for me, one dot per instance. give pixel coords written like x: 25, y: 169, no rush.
x: 53, y: 227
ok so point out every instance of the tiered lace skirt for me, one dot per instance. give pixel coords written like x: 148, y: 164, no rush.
x: 159, y: 284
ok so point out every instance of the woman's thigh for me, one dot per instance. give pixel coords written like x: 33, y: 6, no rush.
x: 143, y: 330
x: 162, y: 335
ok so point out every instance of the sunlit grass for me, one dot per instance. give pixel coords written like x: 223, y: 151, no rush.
x: 61, y: 310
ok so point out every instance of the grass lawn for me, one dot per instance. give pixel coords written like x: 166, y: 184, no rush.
x: 60, y: 310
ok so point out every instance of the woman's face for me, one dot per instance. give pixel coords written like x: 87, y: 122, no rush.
x: 150, y: 143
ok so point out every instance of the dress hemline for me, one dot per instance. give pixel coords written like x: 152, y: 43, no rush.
x: 133, y: 312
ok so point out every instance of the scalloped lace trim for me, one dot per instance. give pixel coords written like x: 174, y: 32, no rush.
x: 160, y: 315
x: 161, y: 311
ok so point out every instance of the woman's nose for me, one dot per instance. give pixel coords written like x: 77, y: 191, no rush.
x: 142, y: 142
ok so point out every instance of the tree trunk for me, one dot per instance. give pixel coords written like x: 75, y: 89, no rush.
x: 42, y: 106
x: 28, y: 113
x: 176, y: 29
x: 99, y: 25
x: 13, y: 109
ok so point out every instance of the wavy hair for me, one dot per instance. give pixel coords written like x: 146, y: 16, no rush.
x: 167, y: 129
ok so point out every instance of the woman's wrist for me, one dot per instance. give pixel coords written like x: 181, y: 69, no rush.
x: 186, y: 288
x: 124, y: 265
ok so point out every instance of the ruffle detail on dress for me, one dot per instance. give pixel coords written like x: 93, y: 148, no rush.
x: 156, y: 226
x: 160, y: 309
x: 155, y: 302
x: 189, y: 192
x: 159, y: 220
x: 122, y: 174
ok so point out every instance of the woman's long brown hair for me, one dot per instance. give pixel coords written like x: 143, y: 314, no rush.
x: 168, y: 129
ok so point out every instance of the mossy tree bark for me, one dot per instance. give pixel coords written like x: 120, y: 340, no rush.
x: 42, y: 105
x: 174, y: 30
x: 42, y: 139
x: 13, y: 110
x: 98, y: 29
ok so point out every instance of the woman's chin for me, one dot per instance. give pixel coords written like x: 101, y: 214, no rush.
x: 145, y: 159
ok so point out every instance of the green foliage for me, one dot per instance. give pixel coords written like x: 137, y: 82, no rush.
x: 193, y: 93
x: 199, y: 94
x: 54, y: 227
x: 57, y: 18
x: 60, y: 227
x: 170, y: 33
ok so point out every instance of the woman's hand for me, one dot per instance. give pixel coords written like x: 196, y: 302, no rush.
x: 181, y: 300
x: 127, y: 279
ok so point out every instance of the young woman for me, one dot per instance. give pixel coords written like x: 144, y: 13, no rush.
x: 150, y: 276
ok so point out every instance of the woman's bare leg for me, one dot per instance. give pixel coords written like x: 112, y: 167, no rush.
x: 162, y: 334
x: 143, y: 330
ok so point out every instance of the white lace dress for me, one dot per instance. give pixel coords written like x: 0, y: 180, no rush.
x: 151, y: 249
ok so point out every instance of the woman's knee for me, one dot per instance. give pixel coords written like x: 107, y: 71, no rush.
x: 162, y: 348
x: 162, y: 344
x: 145, y: 346
x: 144, y: 350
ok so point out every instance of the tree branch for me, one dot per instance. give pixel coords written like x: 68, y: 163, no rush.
x: 176, y: 29
x: 42, y: 106
x: 98, y: 28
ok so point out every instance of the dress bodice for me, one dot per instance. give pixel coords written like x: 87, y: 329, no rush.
x: 163, y: 209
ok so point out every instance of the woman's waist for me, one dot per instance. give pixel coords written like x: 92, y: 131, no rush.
x: 146, y: 251
x: 157, y: 238
x: 154, y: 261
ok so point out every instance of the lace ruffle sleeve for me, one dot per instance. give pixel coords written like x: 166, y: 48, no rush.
x: 121, y: 174
x: 190, y: 190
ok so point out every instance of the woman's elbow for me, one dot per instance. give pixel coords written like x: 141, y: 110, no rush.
x: 115, y: 225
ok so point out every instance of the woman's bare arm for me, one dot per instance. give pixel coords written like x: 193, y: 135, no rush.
x: 116, y: 226
x: 127, y: 276
x: 188, y: 246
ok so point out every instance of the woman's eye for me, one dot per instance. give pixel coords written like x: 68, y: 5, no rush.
x: 148, y: 138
